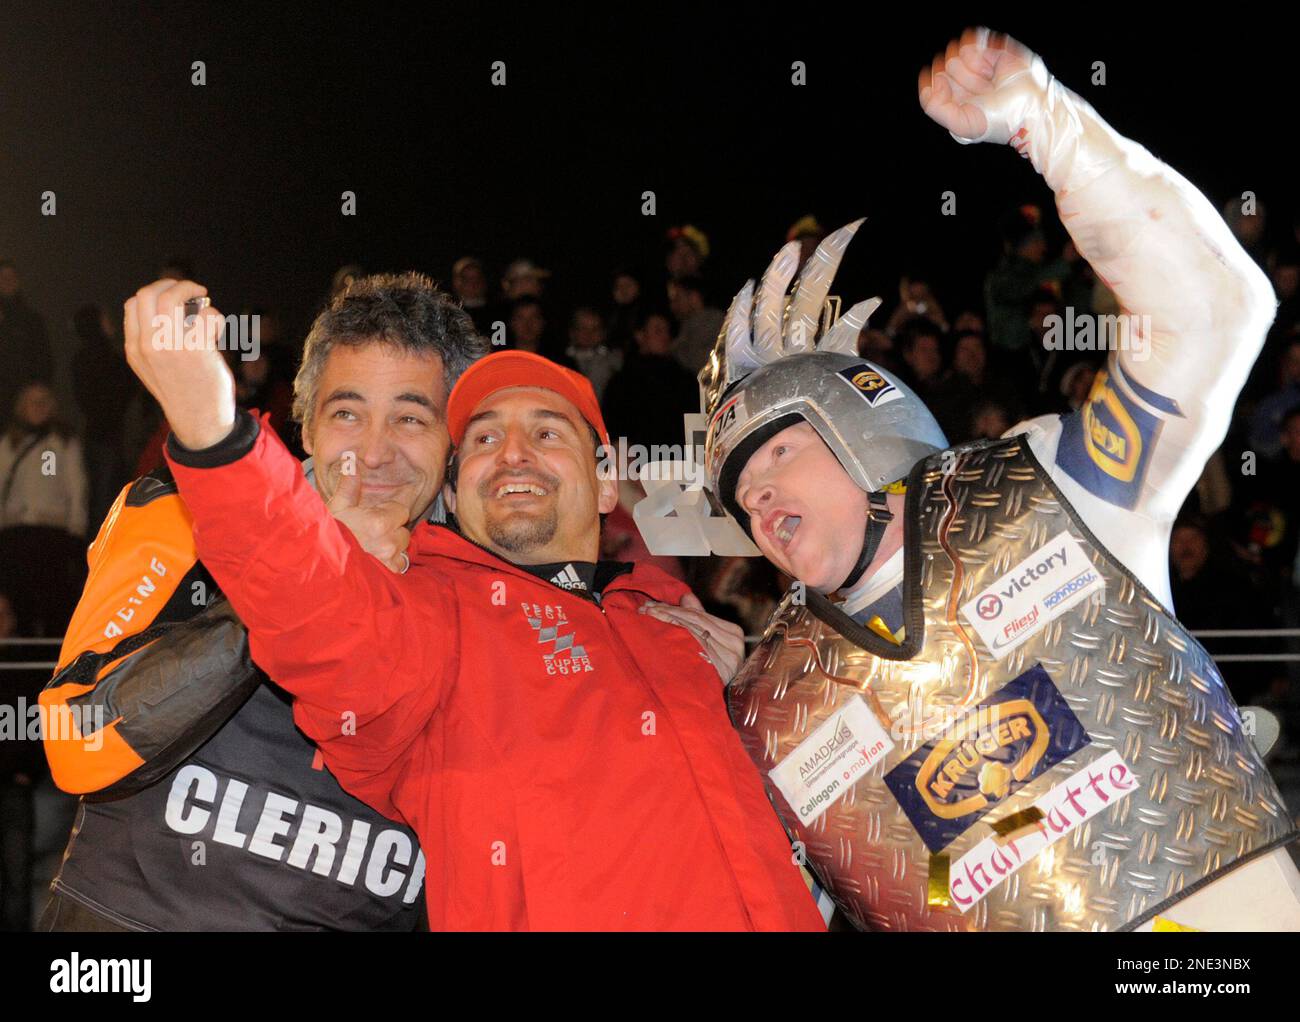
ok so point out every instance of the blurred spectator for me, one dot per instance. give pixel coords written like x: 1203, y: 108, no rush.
x: 1010, y: 287
x: 919, y: 343
x: 1038, y: 370
x: 990, y: 420
x: 587, y: 349
x: 700, y: 323
x: 1284, y: 272
x: 24, y: 343
x: 528, y: 331
x: 1272, y: 499
x: 1211, y: 593
x: 688, y: 248
x: 916, y: 301
x: 524, y: 279
x: 1266, y: 423
x: 625, y: 298
x: 104, y: 386
x: 256, y: 388
x: 175, y: 267
x: 969, y: 320
x: 646, y: 399
x: 42, y: 514
x: 809, y: 233
x: 878, y: 347
x: 1248, y: 228
x: 22, y: 761
x: 344, y: 276
x: 967, y: 382
x: 469, y: 282
x: 42, y: 476
x: 1212, y: 494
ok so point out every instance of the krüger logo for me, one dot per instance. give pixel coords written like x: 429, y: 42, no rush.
x: 990, y: 752
x: 1007, y: 740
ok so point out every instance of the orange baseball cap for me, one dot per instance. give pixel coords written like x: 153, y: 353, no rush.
x: 504, y: 369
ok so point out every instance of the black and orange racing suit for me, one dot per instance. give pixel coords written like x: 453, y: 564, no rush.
x: 203, y: 807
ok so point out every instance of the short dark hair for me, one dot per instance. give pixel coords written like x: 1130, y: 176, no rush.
x: 406, y: 310
x: 913, y: 329
x: 649, y: 312
x: 688, y: 282
x: 586, y: 310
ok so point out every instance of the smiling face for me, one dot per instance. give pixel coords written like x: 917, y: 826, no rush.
x: 527, y: 487
x: 388, y: 408
x: 807, y: 516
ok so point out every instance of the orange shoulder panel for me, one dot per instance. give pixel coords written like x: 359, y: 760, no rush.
x: 136, y: 561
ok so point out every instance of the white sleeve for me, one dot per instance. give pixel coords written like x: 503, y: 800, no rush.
x: 1198, y: 305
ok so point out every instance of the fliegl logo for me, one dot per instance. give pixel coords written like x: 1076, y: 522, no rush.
x: 1002, y: 744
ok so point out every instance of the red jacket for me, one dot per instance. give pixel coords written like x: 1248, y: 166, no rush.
x: 566, y: 765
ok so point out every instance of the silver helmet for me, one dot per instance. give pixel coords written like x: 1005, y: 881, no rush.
x: 774, y: 366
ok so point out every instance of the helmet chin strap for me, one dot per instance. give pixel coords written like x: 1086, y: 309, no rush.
x: 878, y: 518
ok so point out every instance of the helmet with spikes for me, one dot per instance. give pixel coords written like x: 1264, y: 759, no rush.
x: 770, y: 370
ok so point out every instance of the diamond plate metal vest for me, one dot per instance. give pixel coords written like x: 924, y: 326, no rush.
x: 1083, y: 774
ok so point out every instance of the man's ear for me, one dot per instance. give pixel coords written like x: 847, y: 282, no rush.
x: 607, y: 495
x: 449, y: 496
x: 307, y: 445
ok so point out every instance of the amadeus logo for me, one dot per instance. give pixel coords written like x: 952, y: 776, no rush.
x: 842, y: 736
x: 102, y: 976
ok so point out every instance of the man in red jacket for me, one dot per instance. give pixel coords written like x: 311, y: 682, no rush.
x: 561, y: 749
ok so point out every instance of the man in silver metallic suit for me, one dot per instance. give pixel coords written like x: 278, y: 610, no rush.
x: 976, y: 710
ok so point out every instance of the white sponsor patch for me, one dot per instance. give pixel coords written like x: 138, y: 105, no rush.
x: 1039, y: 589
x: 1077, y: 799
x: 831, y: 760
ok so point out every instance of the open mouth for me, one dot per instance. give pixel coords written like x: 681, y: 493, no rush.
x: 783, y: 527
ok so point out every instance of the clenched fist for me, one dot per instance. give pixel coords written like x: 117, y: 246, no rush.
x: 983, y: 87
x: 179, y: 360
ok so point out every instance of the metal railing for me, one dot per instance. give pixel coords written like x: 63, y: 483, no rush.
x: 1205, y: 633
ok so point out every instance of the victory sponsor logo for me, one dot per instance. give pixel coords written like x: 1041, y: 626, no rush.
x: 1016, y: 734
x: 829, y: 762
x: 1039, y: 589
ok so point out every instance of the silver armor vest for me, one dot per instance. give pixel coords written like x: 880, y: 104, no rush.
x: 1047, y: 748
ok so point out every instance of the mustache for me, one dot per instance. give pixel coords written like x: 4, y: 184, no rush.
x: 493, y: 483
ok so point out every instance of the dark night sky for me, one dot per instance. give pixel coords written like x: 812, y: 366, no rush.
x: 245, y: 173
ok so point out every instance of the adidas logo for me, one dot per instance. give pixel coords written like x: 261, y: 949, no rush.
x: 567, y: 578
